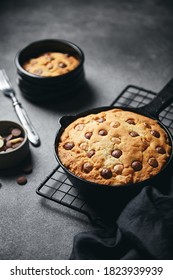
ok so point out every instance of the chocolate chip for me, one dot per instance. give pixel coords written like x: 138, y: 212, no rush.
x: 16, y: 140
x: 134, y: 134
x: 1, y: 142
x: 22, y: 180
x: 38, y: 71
x: 9, y: 137
x: 49, y: 66
x: 115, y: 124
x: 118, y: 168
x: 153, y: 162
x: 106, y: 173
x: 88, y: 135
x: 33, y: 62
x: 8, y: 144
x: 68, y: 145
x: 147, y: 125
x: 62, y: 65
x: 79, y: 127
x: 116, y: 140
x: 16, y: 132
x: 116, y: 153
x: 136, y: 165
x: 16, y: 145
x: 101, y: 120
x: 155, y: 133
x: 9, y: 149
x: 87, y: 167
x: 160, y: 150
x: 145, y: 145
x: 84, y: 146
x: 130, y: 121
x: 48, y: 57
x: 3, y: 148
x: 103, y: 132
x: 90, y: 153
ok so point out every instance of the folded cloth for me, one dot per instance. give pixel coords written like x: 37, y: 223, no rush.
x: 143, y: 230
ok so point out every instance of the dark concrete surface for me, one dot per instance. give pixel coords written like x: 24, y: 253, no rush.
x: 125, y: 42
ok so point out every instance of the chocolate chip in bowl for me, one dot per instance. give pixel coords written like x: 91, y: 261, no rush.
x: 14, y: 144
x: 50, y: 69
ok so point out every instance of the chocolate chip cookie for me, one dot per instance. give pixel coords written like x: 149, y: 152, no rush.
x: 51, y: 64
x: 114, y: 147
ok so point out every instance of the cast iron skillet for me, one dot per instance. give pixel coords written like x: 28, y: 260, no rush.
x: 151, y: 110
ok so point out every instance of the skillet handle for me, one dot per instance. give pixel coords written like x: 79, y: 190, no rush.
x: 66, y: 120
x: 163, y: 99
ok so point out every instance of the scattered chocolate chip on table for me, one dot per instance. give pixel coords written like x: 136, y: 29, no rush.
x: 22, y: 180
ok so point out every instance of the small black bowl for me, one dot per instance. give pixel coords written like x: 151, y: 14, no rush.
x: 9, y: 159
x: 38, y: 88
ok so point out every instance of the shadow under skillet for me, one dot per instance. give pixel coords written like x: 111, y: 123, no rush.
x: 76, y: 101
x: 107, y: 206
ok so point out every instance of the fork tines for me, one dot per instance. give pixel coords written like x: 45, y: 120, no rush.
x: 4, y: 80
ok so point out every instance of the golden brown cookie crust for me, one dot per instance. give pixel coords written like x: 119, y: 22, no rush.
x: 51, y: 64
x: 114, y: 147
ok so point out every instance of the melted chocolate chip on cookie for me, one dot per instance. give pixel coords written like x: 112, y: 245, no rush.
x: 106, y: 173
x: 116, y: 153
x: 68, y: 145
x: 88, y: 135
x: 118, y: 168
x: 101, y: 120
x: 155, y: 133
x: 136, y: 165
x: 134, y: 134
x: 153, y: 162
x: 90, y: 153
x: 103, y: 132
x: 87, y: 167
x: 130, y: 121
x: 160, y: 150
x: 62, y: 65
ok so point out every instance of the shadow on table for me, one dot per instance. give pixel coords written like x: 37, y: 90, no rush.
x: 70, y: 213
x: 79, y: 100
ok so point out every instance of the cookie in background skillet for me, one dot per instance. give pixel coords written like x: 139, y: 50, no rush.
x: 51, y: 64
x: 50, y: 69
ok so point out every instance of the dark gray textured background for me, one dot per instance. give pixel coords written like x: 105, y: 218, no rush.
x: 125, y: 42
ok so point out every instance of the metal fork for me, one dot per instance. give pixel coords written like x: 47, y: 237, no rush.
x: 8, y: 91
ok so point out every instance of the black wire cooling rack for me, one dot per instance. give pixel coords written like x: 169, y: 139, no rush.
x: 57, y: 187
